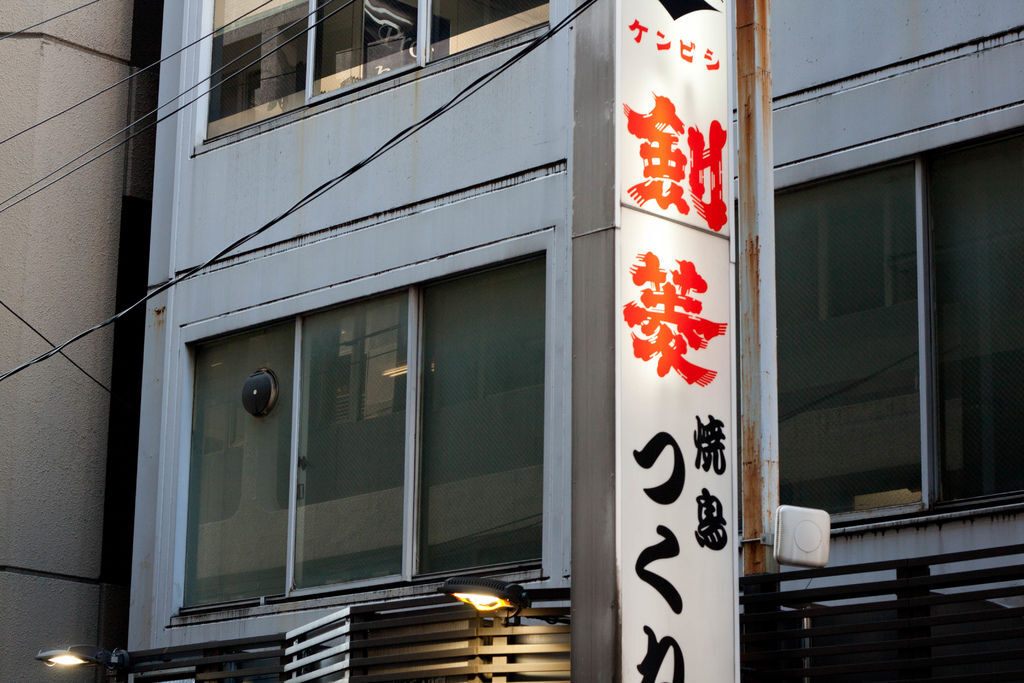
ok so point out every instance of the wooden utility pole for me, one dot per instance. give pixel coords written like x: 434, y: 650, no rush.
x: 756, y: 239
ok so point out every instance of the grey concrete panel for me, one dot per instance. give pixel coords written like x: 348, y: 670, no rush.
x: 41, y: 612
x: 147, y: 526
x: 165, y: 164
x: 454, y: 227
x: 895, y: 541
x: 814, y: 42
x: 595, y: 634
x: 104, y: 27
x: 58, y: 271
x: 519, y: 122
x: 900, y: 104
x: 595, y: 199
x: 903, y: 146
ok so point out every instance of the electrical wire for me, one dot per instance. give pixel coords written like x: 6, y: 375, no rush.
x: 43, y: 337
x: 326, y: 186
x: 170, y: 113
x: 45, y: 21
x: 83, y: 101
x: 133, y: 75
x: 116, y: 396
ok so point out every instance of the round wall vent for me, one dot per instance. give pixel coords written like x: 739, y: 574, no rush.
x: 259, y: 393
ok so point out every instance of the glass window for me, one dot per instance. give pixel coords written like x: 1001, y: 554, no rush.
x: 461, y: 24
x: 238, y: 484
x: 977, y: 202
x: 352, y: 443
x: 483, y: 419
x: 849, y: 412
x: 258, y: 65
x: 478, y: 487
x: 362, y: 39
x: 259, y: 62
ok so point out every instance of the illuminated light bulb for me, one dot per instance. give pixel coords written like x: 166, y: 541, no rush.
x: 484, y: 603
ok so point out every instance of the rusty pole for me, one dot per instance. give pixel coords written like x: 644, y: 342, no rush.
x: 759, y: 414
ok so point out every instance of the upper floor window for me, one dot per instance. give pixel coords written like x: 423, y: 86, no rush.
x: 901, y: 332
x: 263, y: 59
x: 406, y: 439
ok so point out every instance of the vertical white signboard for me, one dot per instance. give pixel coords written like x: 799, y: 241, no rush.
x: 676, y: 466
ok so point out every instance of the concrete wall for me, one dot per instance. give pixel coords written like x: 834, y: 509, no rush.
x: 58, y: 269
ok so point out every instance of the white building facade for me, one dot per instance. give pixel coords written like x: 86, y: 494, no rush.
x: 440, y: 327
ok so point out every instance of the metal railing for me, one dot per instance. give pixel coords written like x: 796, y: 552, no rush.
x: 951, y: 617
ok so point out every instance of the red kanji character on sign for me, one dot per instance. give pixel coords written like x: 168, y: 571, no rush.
x: 663, y: 161
x: 686, y: 51
x: 639, y: 28
x: 708, y: 56
x: 665, y: 45
x: 667, y: 318
x: 707, y: 162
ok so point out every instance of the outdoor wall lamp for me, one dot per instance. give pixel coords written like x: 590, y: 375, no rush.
x: 77, y: 655
x: 486, y: 594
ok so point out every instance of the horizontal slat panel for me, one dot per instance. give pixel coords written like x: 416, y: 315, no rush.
x: 995, y: 614
x: 901, y: 664
x: 918, y: 621
x: 340, y: 615
x: 209, y: 660
x: 888, y: 645
x: 934, y: 582
x: 320, y: 673
x: 240, y: 673
x: 423, y: 638
x: 316, y: 657
x: 904, y: 603
x: 465, y: 670
x: 843, y: 570
x: 337, y: 632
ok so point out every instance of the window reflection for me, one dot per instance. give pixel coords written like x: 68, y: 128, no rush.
x: 352, y: 443
x: 849, y: 408
x: 368, y: 38
x: 259, y: 62
x: 461, y: 24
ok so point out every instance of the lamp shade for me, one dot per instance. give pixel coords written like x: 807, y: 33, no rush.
x: 486, y: 594
x: 77, y: 655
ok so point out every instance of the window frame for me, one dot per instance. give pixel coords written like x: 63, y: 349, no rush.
x: 802, y: 177
x: 547, y: 565
x: 423, y: 17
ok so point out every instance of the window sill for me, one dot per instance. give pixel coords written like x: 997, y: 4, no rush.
x: 978, y: 509
x: 334, y: 597
x: 328, y: 101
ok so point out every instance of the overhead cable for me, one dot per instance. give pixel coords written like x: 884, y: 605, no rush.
x: 133, y: 75
x: 14, y: 197
x: 326, y: 186
x: 46, y: 21
x: 43, y: 337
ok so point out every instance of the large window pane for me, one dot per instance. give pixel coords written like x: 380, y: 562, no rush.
x: 362, y: 39
x: 352, y: 443
x: 238, y: 478
x: 265, y: 80
x: 848, y: 342
x: 461, y: 24
x: 977, y: 200
x: 482, y: 419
